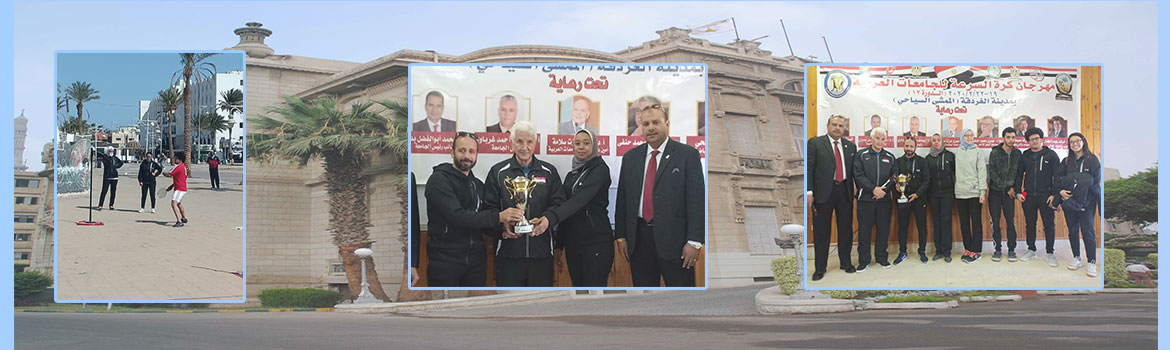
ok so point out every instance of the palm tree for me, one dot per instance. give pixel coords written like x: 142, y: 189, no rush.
x: 345, y: 140
x: 194, y: 65
x: 81, y: 92
x: 170, y: 101
x: 233, y: 101
x: 212, y: 122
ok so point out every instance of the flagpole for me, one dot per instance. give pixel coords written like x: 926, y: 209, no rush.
x: 827, y: 48
x: 733, y: 27
x: 790, y: 52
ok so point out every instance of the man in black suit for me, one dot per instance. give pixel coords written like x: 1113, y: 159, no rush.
x: 507, y: 115
x: 830, y: 189
x: 659, y: 212
x: 914, y: 131
x: 434, y: 121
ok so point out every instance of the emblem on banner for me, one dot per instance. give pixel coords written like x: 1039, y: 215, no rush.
x: 1064, y: 87
x: 1015, y: 72
x: 837, y: 83
x: 916, y: 70
x: 1036, y: 74
x: 994, y: 72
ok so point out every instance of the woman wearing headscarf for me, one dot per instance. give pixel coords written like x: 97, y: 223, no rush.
x: 585, y: 231
x: 941, y: 196
x: 970, y: 193
x: 1079, y: 190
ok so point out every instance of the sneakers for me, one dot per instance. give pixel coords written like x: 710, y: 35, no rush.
x: 937, y: 256
x: 111, y: 207
x: 968, y: 256
x: 1051, y: 259
x: 178, y: 224
x: 922, y: 256
x: 947, y: 258
x: 861, y: 267
x: 997, y: 256
x: 885, y: 265
x: 152, y: 210
x: 184, y: 220
x: 141, y: 210
x: 900, y: 259
x: 99, y: 208
x: 1076, y: 263
x: 976, y: 256
x: 1092, y: 269
x: 1012, y: 256
x: 1031, y: 254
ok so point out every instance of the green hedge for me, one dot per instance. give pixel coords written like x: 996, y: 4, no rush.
x: 29, y: 283
x: 19, y: 268
x: 784, y: 269
x: 1115, y: 266
x: 299, y: 297
x: 860, y: 294
x: 1152, y: 259
x: 914, y: 299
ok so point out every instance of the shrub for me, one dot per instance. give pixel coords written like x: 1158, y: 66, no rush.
x: 19, y: 267
x: 985, y: 293
x: 785, y: 269
x: 860, y: 294
x: 299, y: 297
x: 1152, y: 259
x: 1115, y: 266
x: 29, y: 283
x: 914, y: 299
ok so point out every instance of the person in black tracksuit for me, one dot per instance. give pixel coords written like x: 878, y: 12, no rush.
x: 1001, y: 174
x: 942, y: 195
x: 110, y: 165
x: 525, y: 260
x: 873, y: 170
x: 458, y: 219
x: 585, y: 231
x: 148, y: 170
x: 415, y: 231
x: 1035, y: 186
x: 1079, y: 193
x: 916, y: 191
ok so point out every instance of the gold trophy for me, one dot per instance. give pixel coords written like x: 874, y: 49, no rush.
x: 521, y: 188
x: 903, y: 180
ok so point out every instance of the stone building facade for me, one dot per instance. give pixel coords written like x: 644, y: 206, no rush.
x: 754, y: 137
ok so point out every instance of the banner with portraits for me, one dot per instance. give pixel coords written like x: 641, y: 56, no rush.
x: 923, y: 100
x: 558, y: 100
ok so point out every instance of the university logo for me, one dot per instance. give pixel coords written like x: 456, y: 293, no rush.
x: 994, y: 72
x: 837, y: 83
x: 1036, y: 74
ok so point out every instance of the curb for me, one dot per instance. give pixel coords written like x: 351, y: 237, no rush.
x: 450, y: 304
x: 911, y: 306
x: 977, y: 299
x: 769, y: 301
x: 1129, y: 290
x: 324, y: 309
x: 1065, y: 292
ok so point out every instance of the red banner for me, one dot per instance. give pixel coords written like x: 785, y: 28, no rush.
x: 864, y: 141
x: 626, y: 143
x: 431, y: 142
x: 921, y: 141
x: 499, y: 143
x: 699, y: 143
x: 563, y: 145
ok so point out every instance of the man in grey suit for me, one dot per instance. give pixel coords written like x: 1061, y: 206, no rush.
x: 434, y: 121
x: 830, y: 189
x: 507, y: 114
x: 579, y: 119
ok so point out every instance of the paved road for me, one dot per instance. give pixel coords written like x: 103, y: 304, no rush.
x: 1119, y: 321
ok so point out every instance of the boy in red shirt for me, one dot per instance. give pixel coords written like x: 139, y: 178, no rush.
x: 179, y: 174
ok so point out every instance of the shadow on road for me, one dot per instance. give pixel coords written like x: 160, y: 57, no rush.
x: 156, y: 222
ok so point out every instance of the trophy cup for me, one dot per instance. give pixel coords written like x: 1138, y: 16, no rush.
x: 903, y: 180
x: 521, y: 189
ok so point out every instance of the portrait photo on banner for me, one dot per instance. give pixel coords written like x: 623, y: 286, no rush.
x: 961, y: 150
x: 575, y: 176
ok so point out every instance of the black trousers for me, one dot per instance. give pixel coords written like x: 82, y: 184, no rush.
x: 589, y: 264
x: 869, y: 214
x: 970, y: 223
x: 841, y: 204
x: 112, y: 186
x: 524, y: 272
x: 214, y: 177
x: 1032, y: 205
x: 457, y: 273
x: 940, y: 210
x: 918, y: 208
x: 1000, y: 202
x: 646, y: 266
x: 147, y: 186
x: 1082, y: 221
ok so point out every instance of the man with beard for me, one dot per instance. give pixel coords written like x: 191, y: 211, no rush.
x: 455, y: 249
x: 507, y: 114
x: 915, y: 192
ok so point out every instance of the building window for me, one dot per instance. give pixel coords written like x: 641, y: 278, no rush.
x: 798, y: 137
x: 20, y: 255
x: 21, y: 237
x: 25, y: 219
x: 762, y: 230
x: 26, y: 200
x: 743, y: 133
x: 28, y: 183
x: 794, y: 86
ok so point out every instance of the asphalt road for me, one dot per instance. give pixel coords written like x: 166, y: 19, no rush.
x: 1117, y: 321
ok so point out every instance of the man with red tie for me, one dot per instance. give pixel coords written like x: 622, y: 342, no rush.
x: 830, y: 190
x: 659, y: 213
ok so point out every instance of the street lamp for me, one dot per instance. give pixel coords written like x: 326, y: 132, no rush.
x: 365, y: 297
x: 792, y: 236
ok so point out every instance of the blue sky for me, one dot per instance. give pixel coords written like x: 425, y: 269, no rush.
x: 123, y: 79
x: 1121, y: 36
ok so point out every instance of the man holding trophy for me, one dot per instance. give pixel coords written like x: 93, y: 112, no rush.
x: 912, y: 176
x: 873, y: 172
x: 524, y: 251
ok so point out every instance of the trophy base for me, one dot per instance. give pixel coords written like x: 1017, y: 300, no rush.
x: 523, y: 229
x: 903, y: 200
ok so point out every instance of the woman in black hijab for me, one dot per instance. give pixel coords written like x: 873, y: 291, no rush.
x: 586, y: 233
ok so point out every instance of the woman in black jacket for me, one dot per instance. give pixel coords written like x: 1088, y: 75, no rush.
x: 1079, y: 190
x: 586, y: 232
x: 147, y: 171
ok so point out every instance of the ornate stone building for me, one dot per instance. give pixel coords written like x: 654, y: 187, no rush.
x: 754, y: 149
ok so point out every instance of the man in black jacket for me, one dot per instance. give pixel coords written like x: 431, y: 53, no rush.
x: 525, y: 260
x: 455, y: 249
x: 1035, y: 186
x: 147, y: 171
x: 415, y: 232
x: 830, y: 190
x: 914, y: 166
x: 1001, y: 178
x: 110, y: 165
x: 942, y: 195
x: 873, y: 171
x: 659, y: 214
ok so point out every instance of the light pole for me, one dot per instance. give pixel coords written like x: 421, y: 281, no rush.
x: 365, y: 297
x: 792, y: 236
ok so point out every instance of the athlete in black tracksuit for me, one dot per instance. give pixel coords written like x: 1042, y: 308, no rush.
x: 147, y: 171
x: 456, y: 255
x: 526, y: 261
x: 110, y: 165
x: 919, y: 172
x: 871, y: 170
x: 1036, y: 175
x: 585, y: 231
